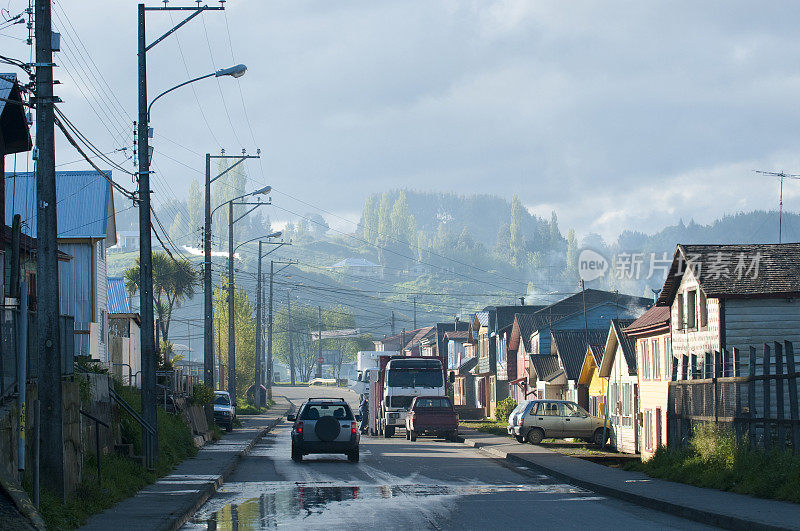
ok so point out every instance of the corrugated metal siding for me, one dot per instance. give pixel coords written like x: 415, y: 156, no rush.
x: 83, y: 203
x: 117, y: 296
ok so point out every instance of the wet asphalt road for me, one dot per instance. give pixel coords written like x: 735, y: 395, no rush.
x: 430, y: 484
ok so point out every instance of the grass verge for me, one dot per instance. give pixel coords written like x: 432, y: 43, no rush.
x: 246, y: 408
x: 715, y: 460
x: 495, y: 427
x: 122, y: 477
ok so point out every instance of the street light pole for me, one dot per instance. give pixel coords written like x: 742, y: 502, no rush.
x: 148, y: 349
x: 257, y: 376
x: 208, y: 330
x: 269, y: 333
x: 289, y: 328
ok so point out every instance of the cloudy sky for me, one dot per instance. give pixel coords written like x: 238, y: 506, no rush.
x: 615, y: 114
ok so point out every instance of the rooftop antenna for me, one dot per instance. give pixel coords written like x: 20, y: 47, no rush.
x: 656, y: 293
x: 782, y: 176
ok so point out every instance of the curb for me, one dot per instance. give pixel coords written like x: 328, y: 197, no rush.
x: 210, y: 489
x: 689, y: 513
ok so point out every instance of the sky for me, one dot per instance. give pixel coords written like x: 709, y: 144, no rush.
x: 617, y: 115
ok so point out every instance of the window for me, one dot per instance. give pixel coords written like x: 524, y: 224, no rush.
x: 645, y: 360
x: 648, y: 429
x: 680, y: 324
x: 593, y: 406
x: 573, y: 410
x: 102, y: 327
x: 339, y: 411
x: 656, y: 360
x: 703, y: 310
x: 627, y: 405
x: 691, y: 308
x: 669, y: 363
x: 534, y: 409
x: 550, y: 409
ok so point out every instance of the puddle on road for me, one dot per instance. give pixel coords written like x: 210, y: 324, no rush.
x: 312, y: 505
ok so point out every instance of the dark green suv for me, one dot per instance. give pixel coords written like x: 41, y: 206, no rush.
x: 325, y: 426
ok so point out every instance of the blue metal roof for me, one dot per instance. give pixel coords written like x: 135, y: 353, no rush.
x: 117, y: 295
x: 85, y: 203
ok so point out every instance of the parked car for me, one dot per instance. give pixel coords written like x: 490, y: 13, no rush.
x: 224, y: 410
x: 325, y: 426
x: 558, y: 419
x: 513, y: 417
x: 433, y: 415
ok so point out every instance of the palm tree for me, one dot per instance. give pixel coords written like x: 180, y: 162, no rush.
x: 173, y: 282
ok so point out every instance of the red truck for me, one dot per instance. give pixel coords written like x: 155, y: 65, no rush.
x: 433, y: 415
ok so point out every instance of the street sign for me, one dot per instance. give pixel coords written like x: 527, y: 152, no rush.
x: 320, y: 360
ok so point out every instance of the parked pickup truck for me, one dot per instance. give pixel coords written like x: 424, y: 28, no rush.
x: 432, y: 415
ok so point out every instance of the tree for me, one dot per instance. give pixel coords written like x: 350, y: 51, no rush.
x: 173, y: 282
x: 369, y: 220
x: 245, y: 338
x: 516, y: 236
x: 403, y: 224
x: 317, y: 225
x: 194, y: 204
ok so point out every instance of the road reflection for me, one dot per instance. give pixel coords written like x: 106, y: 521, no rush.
x: 301, y: 505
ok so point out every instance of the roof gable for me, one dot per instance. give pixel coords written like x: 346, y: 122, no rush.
x: 570, y: 347
x: 616, y: 337
x: 730, y: 271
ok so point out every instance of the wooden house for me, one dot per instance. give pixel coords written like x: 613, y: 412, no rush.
x: 730, y: 296
x: 86, y: 228
x: 654, y: 360
x: 569, y: 347
x: 618, y: 367
x: 591, y: 380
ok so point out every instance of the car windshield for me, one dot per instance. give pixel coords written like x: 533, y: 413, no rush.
x: 316, y: 411
x: 222, y: 400
x: 415, y: 378
x: 432, y: 402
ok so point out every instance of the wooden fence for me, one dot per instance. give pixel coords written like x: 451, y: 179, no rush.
x: 761, y: 407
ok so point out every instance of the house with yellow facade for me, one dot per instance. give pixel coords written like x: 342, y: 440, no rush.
x: 590, y: 379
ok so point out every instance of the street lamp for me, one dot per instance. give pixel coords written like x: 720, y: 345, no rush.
x: 234, y: 71
x: 148, y: 352
x: 231, y: 286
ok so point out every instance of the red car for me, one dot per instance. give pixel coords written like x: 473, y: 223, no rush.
x: 432, y: 415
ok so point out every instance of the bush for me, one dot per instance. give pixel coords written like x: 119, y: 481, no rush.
x: 202, y: 395
x: 714, y: 459
x: 504, y: 409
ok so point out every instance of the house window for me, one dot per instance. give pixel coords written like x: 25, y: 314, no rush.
x: 648, y: 429
x: 645, y: 360
x: 703, y: 310
x: 656, y: 360
x: 627, y: 405
x: 680, y: 323
x: 102, y: 327
x: 691, y: 308
x: 668, y: 361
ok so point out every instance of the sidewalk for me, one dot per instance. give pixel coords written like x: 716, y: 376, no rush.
x: 170, y: 501
x: 708, y: 506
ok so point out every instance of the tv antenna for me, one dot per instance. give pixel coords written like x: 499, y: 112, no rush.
x: 782, y: 176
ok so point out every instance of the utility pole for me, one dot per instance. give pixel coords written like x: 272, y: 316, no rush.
x: 414, y: 299
x: 269, y: 333
x: 208, y: 332
x: 392, y: 322
x: 47, y: 330
x: 231, y: 312
x: 257, y: 383
x: 289, y: 331
x: 319, y: 342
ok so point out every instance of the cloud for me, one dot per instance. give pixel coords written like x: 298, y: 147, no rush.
x: 616, y: 115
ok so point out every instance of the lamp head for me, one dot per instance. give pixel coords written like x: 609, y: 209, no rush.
x: 275, y: 234
x: 262, y: 191
x: 234, y: 71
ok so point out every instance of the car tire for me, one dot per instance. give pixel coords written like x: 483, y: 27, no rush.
x: 408, y: 434
x: 598, y: 437
x: 388, y: 431
x: 229, y: 427
x: 297, y: 455
x: 353, y: 456
x: 535, y: 436
x: 519, y: 438
x: 454, y: 436
x: 412, y: 435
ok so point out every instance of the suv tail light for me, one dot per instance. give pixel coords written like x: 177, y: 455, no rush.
x: 299, y: 428
x: 353, y: 428
x: 519, y: 420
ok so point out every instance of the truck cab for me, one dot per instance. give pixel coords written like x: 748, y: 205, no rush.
x: 404, y: 379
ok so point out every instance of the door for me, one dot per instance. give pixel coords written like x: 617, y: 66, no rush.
x: 550, y: 418
x: 658, y: 441
x: 577, y: 422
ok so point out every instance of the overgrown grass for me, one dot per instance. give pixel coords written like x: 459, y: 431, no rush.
x: 246, y: 408
x: 122, y: 477
x: 495, y: 427
x: 715, y: 460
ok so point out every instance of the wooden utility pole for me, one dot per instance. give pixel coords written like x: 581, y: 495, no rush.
x: 47, y: 327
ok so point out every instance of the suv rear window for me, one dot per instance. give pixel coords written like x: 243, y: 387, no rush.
x: 315, y: 411
x: 432, y: 402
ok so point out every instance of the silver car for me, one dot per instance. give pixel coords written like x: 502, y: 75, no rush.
x: 557, y: 419
x: 325, y: 426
